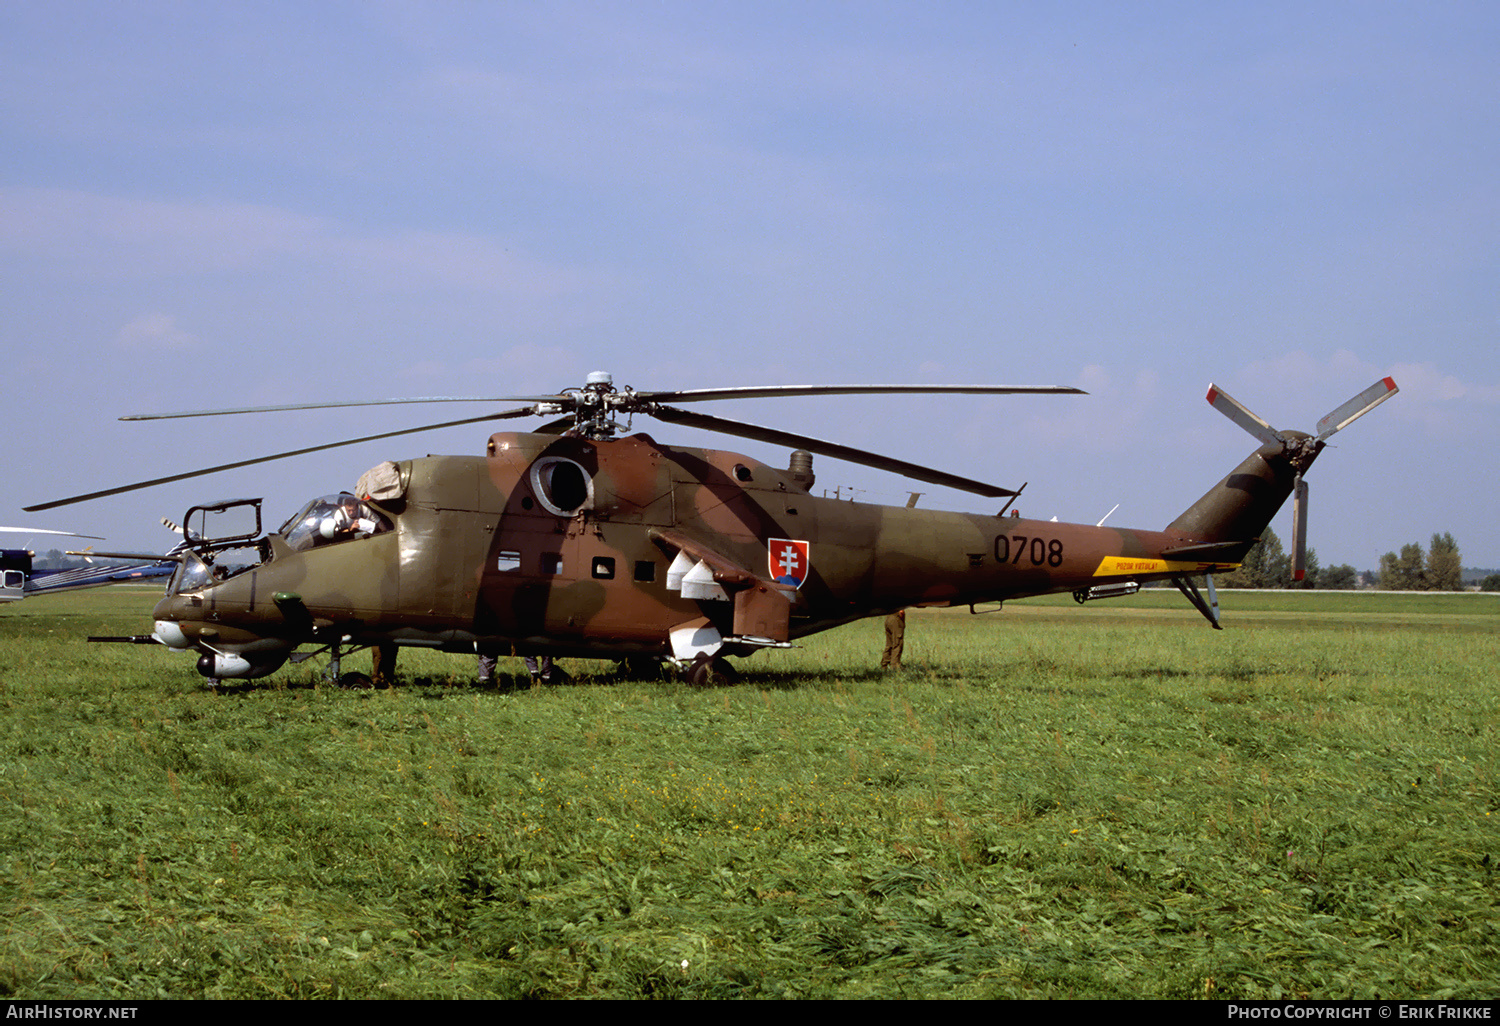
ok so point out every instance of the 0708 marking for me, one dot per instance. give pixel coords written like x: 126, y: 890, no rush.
x: 1015, y: 547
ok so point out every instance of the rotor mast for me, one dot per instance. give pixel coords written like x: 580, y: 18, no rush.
x: 595, y: 404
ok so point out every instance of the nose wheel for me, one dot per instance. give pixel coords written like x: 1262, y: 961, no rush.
x: 333, y: 673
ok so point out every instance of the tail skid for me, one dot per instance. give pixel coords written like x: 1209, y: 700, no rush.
x: 1209, y: 607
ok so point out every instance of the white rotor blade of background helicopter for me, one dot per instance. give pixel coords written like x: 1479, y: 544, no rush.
x: 833, y: 449
x: 523, y: 412
x: 39, y: 530
x: 1357, y: 407
x: 1241, y: 415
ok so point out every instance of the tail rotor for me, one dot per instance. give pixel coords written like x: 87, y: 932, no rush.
x: 1300, y: 447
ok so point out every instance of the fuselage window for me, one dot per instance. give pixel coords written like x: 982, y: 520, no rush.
x: 508, y: 560
x: 604, y: 568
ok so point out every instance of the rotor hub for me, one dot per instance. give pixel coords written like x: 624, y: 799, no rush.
x: 595, y: 403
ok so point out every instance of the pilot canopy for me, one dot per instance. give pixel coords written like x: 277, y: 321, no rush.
x: 330, y: 519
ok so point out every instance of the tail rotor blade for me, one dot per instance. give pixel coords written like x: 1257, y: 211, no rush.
x: 1299, y: 529
x: 1241, y: 415
x: 1356, y: 407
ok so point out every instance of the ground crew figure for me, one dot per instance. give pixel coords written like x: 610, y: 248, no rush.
x: 540, y: 669
x: 383, y: 664
x: 895, y: 640
x: 487, y: 661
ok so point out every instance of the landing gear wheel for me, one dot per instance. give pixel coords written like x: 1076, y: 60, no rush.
x: 355, y: 681
x: 710, y: 671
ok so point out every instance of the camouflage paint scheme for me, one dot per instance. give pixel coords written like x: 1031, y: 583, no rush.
x: 563, y: 545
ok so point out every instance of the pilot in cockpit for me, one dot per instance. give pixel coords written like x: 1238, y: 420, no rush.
x: 330, y: 519
x: 350, y: 518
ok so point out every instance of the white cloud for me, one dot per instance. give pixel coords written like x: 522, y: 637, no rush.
x: 155, y: 331
x: 1429, y: 385
x: 1442, y: 401
x: 120, y: 237
x: 111, y: 237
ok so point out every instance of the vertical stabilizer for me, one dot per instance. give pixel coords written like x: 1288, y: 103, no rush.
x: 1240, y: 506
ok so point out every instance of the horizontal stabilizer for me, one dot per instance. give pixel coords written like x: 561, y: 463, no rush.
x: 1210, y: 552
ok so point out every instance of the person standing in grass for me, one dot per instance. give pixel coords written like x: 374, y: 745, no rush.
x: 383, y: 663
x: 895, y: 640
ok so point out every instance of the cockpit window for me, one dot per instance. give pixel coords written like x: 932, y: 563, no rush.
x: 197, y: 570
x: 330, y: 519
x: 192, y: 573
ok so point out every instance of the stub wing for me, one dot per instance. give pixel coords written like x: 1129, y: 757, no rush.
x: 760, y: 609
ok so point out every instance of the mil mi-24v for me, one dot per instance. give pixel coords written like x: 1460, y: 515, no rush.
x: 576, y: 540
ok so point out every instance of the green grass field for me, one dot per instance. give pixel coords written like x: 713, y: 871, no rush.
x: 1111, y: 801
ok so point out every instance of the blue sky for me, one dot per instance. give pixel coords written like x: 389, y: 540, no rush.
x: 231, y: 204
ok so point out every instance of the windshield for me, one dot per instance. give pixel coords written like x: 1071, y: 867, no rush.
x: 330, y: 519
x: 202, y: 569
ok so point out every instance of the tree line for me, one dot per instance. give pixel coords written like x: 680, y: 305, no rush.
x: 1441, y: 569
x: 1438, y: 568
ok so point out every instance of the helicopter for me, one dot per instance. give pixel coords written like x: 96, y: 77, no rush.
x: 19, y: 579
x: 579, y: 540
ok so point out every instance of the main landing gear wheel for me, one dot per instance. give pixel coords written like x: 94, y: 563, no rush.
x: 710, y: 671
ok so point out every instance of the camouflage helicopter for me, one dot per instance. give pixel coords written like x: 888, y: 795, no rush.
x: 576, y: 540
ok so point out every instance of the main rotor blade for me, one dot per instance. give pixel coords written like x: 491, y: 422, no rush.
x: 1241, y: 415
x: 563, y: 399
x: 523, y: 412
x: 833, y: 449
x: 628, y: 399
x: 555, y: 427
x: 698, y: 395
x: 1357, y: 407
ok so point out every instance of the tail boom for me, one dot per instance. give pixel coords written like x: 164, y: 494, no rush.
x: 1239, y: 507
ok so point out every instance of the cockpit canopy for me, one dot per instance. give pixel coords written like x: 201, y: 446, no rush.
x: 326, y: 520
x: 330, y: 519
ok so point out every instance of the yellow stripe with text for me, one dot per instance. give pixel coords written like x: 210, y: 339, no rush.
x: 1114, y: 566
